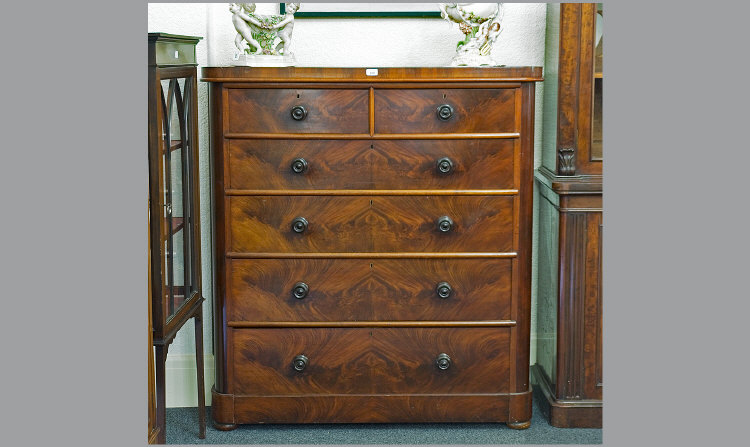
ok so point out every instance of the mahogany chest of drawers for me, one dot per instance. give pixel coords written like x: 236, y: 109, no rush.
x: 372, y: 244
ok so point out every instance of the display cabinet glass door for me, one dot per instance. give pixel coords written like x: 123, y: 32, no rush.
x: 596, y: 124
x: 179, y: 264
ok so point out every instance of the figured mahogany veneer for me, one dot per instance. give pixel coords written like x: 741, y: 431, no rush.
x: 473, y: 110
x: 387, y: 317
x: 368, y: 289
x: 369, y: 408
x: 370, y: 361
x: 363, y: 164
x: 269, y: 110
x: 370, y: 224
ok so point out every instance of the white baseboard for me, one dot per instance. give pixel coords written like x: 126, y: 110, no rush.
x: 182, y: 388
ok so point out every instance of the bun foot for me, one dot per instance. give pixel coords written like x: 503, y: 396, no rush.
x: 519, y: 425
x: 224, y: 427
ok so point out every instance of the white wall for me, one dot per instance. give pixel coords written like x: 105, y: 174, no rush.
x: 330, y: 43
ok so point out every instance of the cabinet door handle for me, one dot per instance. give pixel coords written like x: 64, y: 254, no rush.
x: 445, y: 165
x: 299, y: 165
x: 299, y: 113
x: 444, y: 290
x: 300, y: 362
x: 443, y: 361
x: 300, y: 290
x: 299, y: 225
x: 445, y: 112
x: 445, y: 224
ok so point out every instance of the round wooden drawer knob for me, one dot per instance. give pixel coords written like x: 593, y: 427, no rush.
x: 445, y: 165
x: 300, y: 362
x: 445, y: 112
x: 445, y: 224
x: 299, y: 113
x: 299, y: 165
x: 443, y: 361
x: 299, y: 225
x: 444, y: 290
x: 300, y: 290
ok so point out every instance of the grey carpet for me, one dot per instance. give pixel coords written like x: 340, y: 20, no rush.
x: 182, y: 428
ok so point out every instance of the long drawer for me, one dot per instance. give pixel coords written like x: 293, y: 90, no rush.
x: 378, y: 164
x: 328, y: 224
x: 368, y: 289
x: 370, y: 360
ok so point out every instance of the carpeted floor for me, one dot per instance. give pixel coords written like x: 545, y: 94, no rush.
x: 182, y: 428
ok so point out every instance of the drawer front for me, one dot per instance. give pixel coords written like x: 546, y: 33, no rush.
x: 410, y: 224
x: 264, y: 224
x: 370, y: 224
x: 174, y: 53
x: 471, y: 110
x: 370, y: 360
x: 256, y: 110
x: 382, y: 164
x: 368, y: 289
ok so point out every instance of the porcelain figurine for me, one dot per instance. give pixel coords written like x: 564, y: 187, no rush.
x: 263, y: 40
x: 480, y: 23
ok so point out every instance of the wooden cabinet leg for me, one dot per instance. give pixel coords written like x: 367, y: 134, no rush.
x: 161, y: 395
x: 224, y: 427
x: 519, y: 425
x: 199, y: 368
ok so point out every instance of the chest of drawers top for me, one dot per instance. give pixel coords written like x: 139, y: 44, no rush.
x: 390, y: 74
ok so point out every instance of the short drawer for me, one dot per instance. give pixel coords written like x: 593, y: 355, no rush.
x: 368, y: 289
x: 174, y: 53
x: 446, y: 111
x: 370, y: 360
x: 297, y: 224
x: 258, y: 110
x: 332, y: 224
x: 379, y: 164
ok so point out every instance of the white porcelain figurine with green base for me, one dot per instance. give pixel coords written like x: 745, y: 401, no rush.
x: 263, y: 40
x: 480, y: 23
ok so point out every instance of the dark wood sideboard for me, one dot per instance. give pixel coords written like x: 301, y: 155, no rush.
x: 372, y: 244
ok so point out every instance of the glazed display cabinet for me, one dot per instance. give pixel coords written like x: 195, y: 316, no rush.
x: 174, y: 231
x: 568, y: 371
